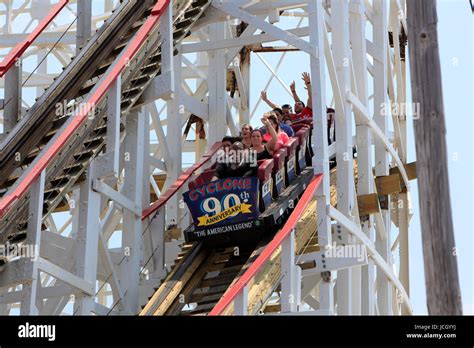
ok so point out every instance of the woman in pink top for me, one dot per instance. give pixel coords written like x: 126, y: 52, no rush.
x: 282, y: 137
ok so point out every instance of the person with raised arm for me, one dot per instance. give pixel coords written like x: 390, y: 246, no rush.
x: 264, y: 97
x: 302, y: 111
x: 274, y: 137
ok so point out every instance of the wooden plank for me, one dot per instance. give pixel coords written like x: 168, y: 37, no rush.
x: 62, y: 207
x: 410, y: 168
x: 218, y: 280
x: 160, y: 180
x: 170, y: 280
x: 192, y: 294
x: 203, y: 308
x: 389, y: 184
x: 224, y: 269
x: 310, y: 249
x: 368, y: 204
x: 210, y: 298
x: 179, y: 284
x: 307, y: 265
x: 209, y: 290
x: 273, y: 308
x: 197, y: 275
x: 173, y: 233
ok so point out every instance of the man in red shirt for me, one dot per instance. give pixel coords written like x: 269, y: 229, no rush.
x: 302, y: 111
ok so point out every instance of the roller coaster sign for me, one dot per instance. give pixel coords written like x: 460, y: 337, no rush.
x: 223, y: 202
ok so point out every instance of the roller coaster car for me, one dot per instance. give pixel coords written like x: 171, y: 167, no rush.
x: 242, y: 211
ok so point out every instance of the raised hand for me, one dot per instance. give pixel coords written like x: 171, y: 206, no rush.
x: 263, y: 95
x: 306, y: 78
x: 293, y: 86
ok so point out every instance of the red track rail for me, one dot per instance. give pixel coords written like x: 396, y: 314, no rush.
x: 20, y: 48
x: 180, y: 182
x: 89, y: 104
x: 232, y: 292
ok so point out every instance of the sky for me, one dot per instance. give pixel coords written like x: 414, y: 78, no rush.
x: 455, y: 31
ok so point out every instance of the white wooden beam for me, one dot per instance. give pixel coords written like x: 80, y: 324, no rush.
x: 276, y: 32
x: 240, y: 41
x: 373, y: 254
x: 117, y: 197
x: 59, y: 273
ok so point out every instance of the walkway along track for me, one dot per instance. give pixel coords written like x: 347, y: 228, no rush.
x: 41, y: 126
x: 200, y: 277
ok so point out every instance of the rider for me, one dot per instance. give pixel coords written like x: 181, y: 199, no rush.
x: 238, y: 167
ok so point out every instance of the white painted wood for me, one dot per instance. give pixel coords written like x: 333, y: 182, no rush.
x: 129, y: 268
x: 379, y: 52
x: 84, y: 23
x: 373, y: 254
x: 288, y: 269
x: 217, y: 125
x: 13, y: 95
x: 30, y: 301
x: 240, y: 41
x: 357, y: 25
x: 343, y: 121
x: 241, y: 302
x: 232, y: 9
x: 320, y: 140
x: 86, y: 248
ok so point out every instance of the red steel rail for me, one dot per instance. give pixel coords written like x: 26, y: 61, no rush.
x: 232, y: 292
x: 89, y: 104
x: 165, y: 197
x: 21, y: 47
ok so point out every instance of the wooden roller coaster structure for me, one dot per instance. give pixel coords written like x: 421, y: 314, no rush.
x: 92, y: 172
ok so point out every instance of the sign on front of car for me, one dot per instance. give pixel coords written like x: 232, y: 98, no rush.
x: 222, y: 202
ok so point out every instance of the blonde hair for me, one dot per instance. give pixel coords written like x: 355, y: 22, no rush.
x: 246, y: 125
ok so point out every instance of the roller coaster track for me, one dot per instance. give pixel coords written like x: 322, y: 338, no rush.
x: 62, y: 145
x: 127, y: 43
x: 200, y: 277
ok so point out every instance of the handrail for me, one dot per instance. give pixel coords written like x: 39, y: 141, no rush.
x: 165, y: 197
x: 289, y: 226
x: 89, y: 104
x: 21, y: 47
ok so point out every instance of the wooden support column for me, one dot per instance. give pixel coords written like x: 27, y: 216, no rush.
x: 30, y: 302
x: 12, y: 103
x: 84, y: 23
x: 441, y: 274
x: 319, y: 141
x: 217, y: 87
x: 344, y: 121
